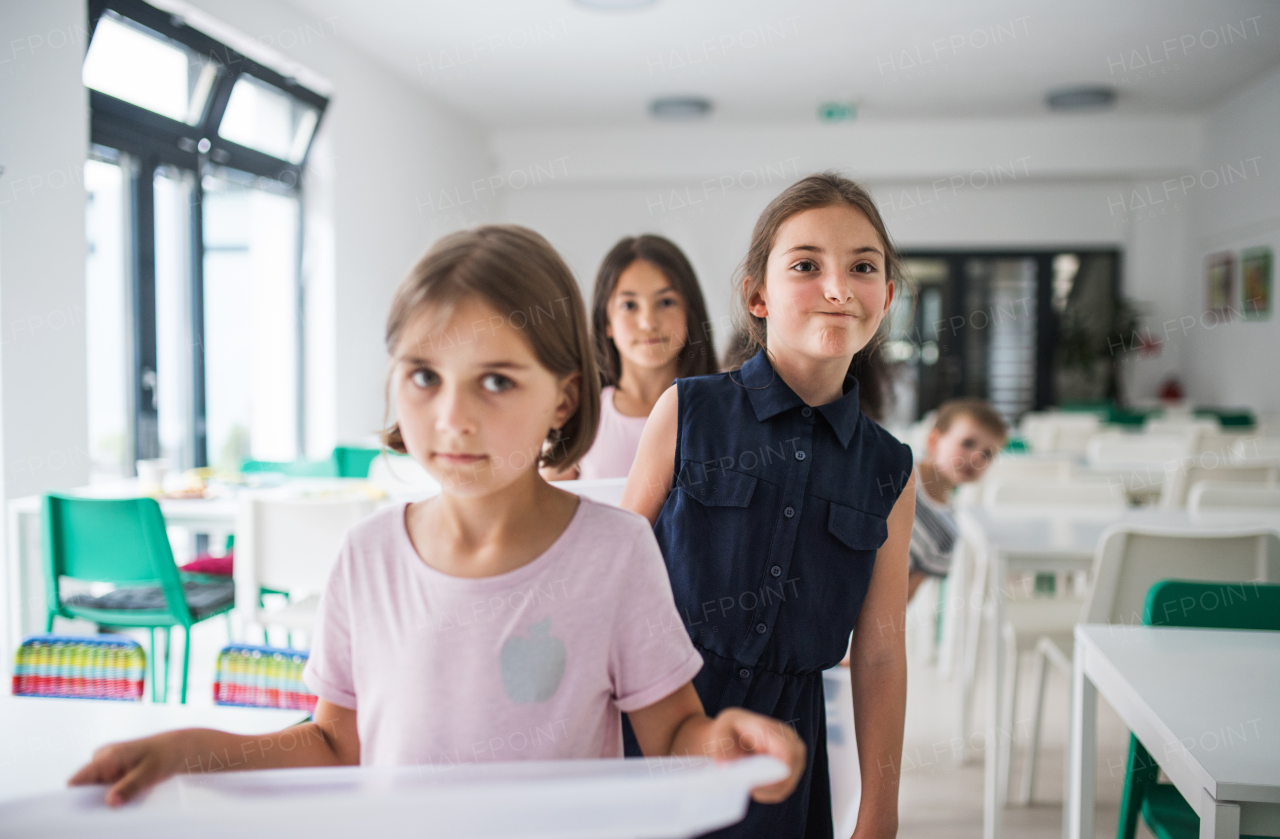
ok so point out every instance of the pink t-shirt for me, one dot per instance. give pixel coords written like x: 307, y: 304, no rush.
x: 533, y: 664
x: 617, y: 440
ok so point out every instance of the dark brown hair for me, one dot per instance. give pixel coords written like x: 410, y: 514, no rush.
x: 520, y: 276
x: 698, y: 356
x: 828, y: 189
x: 978, y: 410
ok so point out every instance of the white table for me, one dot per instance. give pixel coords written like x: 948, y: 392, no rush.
x: 1034, y: 540
x: 1204, y: 702
x: 44, y: 741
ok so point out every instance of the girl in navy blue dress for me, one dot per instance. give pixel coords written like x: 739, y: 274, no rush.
x: 784, y: 513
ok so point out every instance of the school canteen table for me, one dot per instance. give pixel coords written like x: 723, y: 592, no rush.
x: 1204, y: 704
x: 43, y: 741
x: 24, y: 593
x: 1051, y: 539
x: 566, y: 799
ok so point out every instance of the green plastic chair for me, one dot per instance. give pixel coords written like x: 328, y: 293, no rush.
x: 293, y: 468
x: 123, y: 542
x: 353, y: 462
x: 1201, y: 605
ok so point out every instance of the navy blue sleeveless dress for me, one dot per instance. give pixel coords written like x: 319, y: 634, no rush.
x: 769, y: 535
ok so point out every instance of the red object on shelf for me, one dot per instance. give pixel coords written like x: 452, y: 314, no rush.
x: 1171, y: 390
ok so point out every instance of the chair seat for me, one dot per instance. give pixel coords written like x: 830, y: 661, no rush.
x: 299, y: 615
x: 1169, y: 815
x: 203, y: 599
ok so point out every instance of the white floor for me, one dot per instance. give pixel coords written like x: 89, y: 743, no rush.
x: 938, y: 797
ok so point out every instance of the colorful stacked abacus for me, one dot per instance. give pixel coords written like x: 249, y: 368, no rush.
x: 104, y: 667
x: 262, y: 677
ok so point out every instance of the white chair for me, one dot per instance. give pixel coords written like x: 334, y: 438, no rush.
x: 1251, y: 449
x: 1180, y: 424
x: 1058, y: 432
x: 604, y: 490
x: 402, y: 478
x: 1180, y: 477
x: 1030, y: 467
x: 289, y: 544
x: 1005, y: 493
x: 1128, y: 450
x: 1129, y: 560
x: 1226, y: 496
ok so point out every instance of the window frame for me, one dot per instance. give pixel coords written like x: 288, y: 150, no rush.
x: 153, y: 140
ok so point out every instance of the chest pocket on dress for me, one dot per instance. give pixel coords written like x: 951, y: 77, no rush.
x: 856, y: 529
x: 716, y: 487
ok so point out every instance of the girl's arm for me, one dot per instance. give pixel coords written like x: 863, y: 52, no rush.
x: 330, y: 739
x: 878, y: 673
x: 654, y: 466
x: 677, y: 726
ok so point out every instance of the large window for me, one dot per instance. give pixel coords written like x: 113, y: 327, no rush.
x: 195, y: 228
x: 1023, y: 329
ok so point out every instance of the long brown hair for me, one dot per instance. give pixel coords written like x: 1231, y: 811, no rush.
x: 822, y: 190
x: 521, y: 277
x: 698, y: 356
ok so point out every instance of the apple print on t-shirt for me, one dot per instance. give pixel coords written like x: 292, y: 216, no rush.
x: 532, y: 667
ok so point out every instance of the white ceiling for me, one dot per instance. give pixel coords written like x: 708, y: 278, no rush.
x: 527, y: 63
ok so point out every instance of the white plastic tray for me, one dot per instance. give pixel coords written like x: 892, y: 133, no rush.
x: 601, y: 799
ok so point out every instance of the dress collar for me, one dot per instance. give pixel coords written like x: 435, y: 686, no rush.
x: 770, y: 396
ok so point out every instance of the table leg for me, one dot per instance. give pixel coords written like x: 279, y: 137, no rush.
x: 1219, y: 820
x: 1084, y: 752
x: 992, y: 795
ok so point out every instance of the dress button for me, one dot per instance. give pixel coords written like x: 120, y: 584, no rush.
x: 744, y: 673
x: 788, y: 511
x: 806, y: 412
x: 776, y: 571
x: 761, y: 629
x: 800, y: 455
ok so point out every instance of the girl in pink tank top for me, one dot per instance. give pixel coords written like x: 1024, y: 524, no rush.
x: 650, y: 327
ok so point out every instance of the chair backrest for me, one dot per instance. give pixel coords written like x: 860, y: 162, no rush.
x: 604, y: 490
x: 353, y: 461
x: 293, y: 468
x: 1124, y: 449
x: 122, y: 541
x: 1181, y: 424
x: 102, y: 667
x: 1029, y: 468
x: 1005, y: 493
x: 1232, y: 495
x: 1213, y: 605
x: 1131, y: 559
x: 262, y: 677
x: 1052, y: 432
x: 290, y: 543
x: 1257, y: 448
x: 399, y: 476
x: 1179, y: 477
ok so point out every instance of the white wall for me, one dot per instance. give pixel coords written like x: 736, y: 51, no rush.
x: 1060, y: 182
x: 44, y: 137
x: 386, y: 152
x: 1233, y: 363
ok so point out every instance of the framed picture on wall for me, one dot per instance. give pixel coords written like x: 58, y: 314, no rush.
x: 1219, y: 277
x: 1255, y: 283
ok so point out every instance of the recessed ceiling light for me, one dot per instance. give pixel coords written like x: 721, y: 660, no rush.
x: 615, y: 5
x: 1080, y: 98
x: 680, y: 107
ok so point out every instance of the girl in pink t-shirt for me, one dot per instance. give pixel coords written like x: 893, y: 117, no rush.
x: 650, y: 327
x: 503, y: 619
